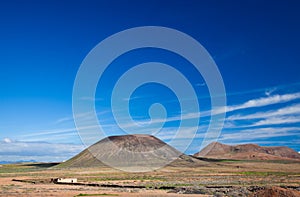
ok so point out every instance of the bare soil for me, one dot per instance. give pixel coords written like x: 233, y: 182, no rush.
x: 220, y: 178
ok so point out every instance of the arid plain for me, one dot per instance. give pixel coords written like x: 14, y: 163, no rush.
x: 212, y: 178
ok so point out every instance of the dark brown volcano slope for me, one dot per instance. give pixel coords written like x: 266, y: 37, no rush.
x: 131, y: 151
x: 248, y: 151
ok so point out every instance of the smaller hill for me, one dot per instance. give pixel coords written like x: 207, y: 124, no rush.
x: 218, y: 150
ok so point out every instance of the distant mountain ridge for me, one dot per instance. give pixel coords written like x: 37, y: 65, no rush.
x: 19, y: 161
x: 248, y: 152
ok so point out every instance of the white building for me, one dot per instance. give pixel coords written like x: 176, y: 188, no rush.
x: 66, y: 180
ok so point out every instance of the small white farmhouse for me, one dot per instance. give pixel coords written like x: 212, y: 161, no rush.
x: 66, y: 180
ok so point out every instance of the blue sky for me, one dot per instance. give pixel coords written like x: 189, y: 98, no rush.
x: 254, y: 43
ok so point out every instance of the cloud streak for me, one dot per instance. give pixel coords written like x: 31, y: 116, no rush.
x: 278, y: 121
x: 27, y: 149
x: 264, y: 101
x: 260, y: 102
x: 258, y: 133
x: 56, y: 131
x: 247, y: 127
x: 290, y: 110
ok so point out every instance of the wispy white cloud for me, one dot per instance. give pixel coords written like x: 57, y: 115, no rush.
x: 269, y: 91
x: 260, y: 133
x: 56, y: 134
x: 144, y: 122
x: 64, y: 119
x: 27, y: 150
x: 133, y: 98
x: 265, y: 141
x: 277, y: 121
x: 263, y: 124
x: 7, y: 140
x: 50, y: 132
x: 289, y: 110
x: 259, y: 102
x: 264, y: 101
x: 200, y: 84
x: 253, y: 103
x: 83, y: 116
x: 184, y: 116
x: 71, y: 118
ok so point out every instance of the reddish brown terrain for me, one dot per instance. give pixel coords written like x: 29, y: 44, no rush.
x: 276, y: 192
x: 248, y: 152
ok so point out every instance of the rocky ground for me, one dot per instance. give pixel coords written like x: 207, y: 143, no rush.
x: 226, y: 178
